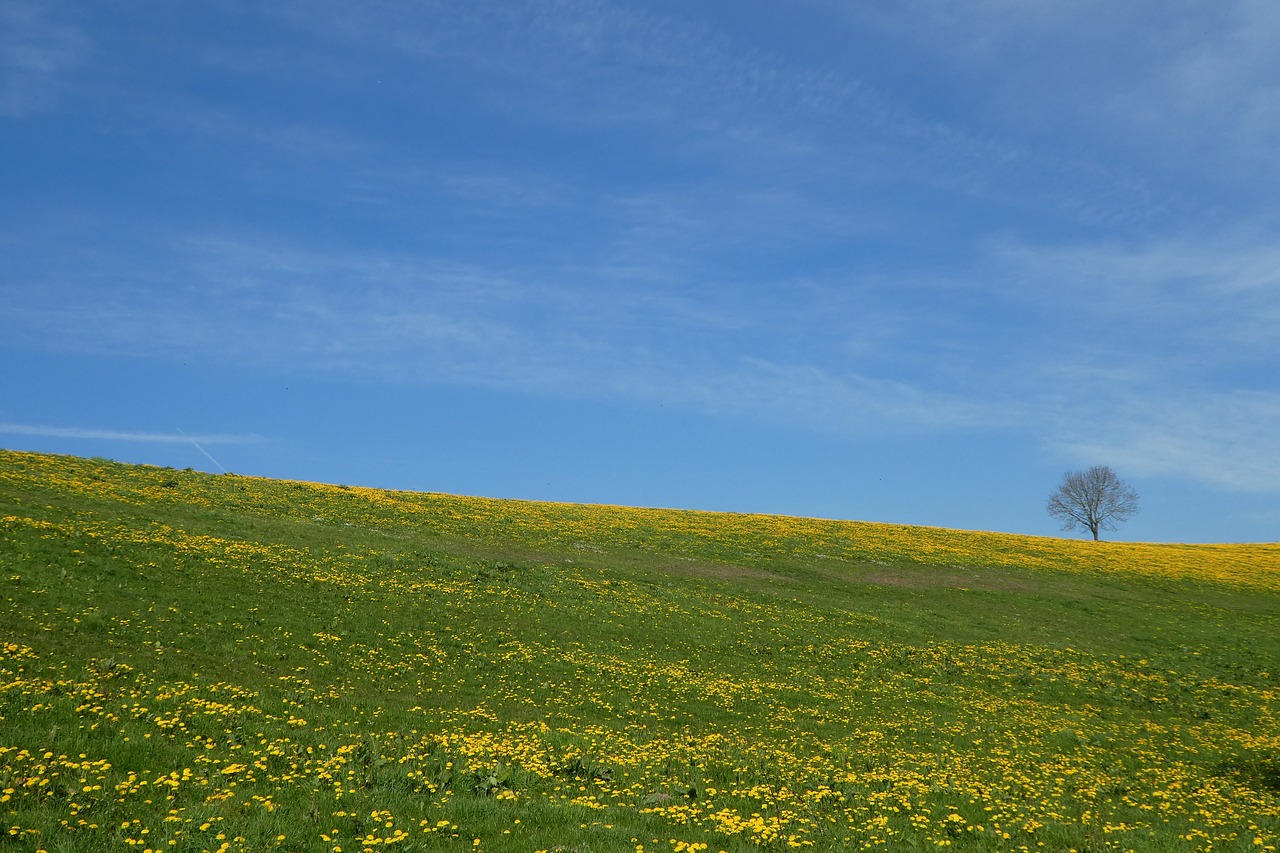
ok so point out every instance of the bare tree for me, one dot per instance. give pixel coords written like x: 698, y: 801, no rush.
x: 1095, y: 499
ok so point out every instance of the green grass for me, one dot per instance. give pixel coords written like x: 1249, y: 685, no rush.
x: 194, y: 662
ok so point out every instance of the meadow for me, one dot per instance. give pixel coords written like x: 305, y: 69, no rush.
x: 197, y: 662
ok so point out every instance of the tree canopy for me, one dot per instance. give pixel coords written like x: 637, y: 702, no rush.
x: 1095, y: 499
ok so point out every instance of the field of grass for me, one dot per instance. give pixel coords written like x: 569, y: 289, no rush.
x: 192, y: 662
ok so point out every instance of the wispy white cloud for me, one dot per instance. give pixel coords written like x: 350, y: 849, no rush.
x: 407, y: 319
x: 176, y: 437
x: 754, y: 144
x: 598, y: 329
x: 712, y: 100
x: 1214, y: 96
x: 807, y: 395
x: 1186, y: 92
x: 1220, y: 294
x: 1154, y: 355
x: 36, y: 52
x: 1230, y: 440
x: 749, y: 231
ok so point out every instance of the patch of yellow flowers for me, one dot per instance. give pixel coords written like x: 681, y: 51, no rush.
x: 880, y: 753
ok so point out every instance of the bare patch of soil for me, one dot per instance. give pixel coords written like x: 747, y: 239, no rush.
x: 925, y: 577
x: 722, y: 571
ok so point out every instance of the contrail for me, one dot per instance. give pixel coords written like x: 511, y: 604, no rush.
x: 202, y: 450
x: 116, y: 435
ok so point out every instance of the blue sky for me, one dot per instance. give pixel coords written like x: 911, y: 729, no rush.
x: 901, y: 262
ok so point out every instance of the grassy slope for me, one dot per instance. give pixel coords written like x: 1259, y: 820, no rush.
x: 192, y: 662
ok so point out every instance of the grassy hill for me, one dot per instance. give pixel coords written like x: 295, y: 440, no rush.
x: 194, y: 662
